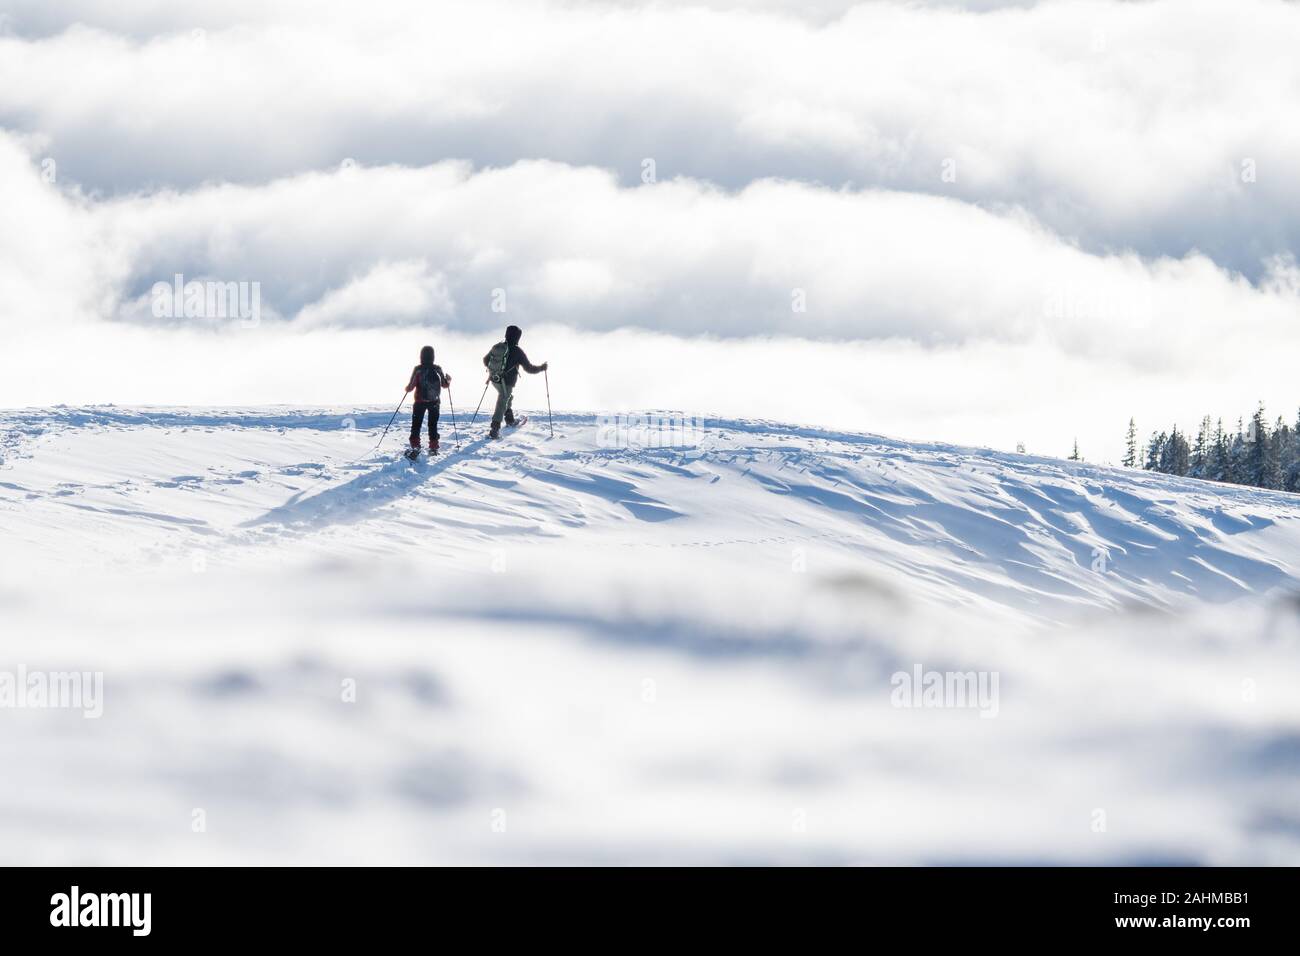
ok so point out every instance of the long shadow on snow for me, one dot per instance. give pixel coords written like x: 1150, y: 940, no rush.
x: 366, y: 493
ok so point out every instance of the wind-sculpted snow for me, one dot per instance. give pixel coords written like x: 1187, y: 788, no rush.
x: 551, y: 650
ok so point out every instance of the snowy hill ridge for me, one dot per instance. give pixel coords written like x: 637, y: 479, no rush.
x: 570, y: 650
x: 947, y: 524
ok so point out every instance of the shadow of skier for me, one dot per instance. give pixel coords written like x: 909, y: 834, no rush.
x: 355, y: 500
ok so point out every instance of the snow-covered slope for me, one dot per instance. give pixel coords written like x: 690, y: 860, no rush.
x: 585, y: 648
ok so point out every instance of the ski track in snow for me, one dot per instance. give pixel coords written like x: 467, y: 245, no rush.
x: 636, y: 654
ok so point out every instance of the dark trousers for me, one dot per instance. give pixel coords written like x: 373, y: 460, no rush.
x: 417, y: 417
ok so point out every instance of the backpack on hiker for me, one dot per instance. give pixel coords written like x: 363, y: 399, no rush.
x: 428, y: 383
x: 497, y: 357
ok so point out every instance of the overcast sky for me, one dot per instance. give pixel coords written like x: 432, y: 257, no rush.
x: 983, y: 222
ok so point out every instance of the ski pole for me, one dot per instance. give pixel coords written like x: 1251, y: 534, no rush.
x: 480, y: 403
x: 547, y: 375
x: 453, y: 417
x: 485, y: 388
x: 390, y: 421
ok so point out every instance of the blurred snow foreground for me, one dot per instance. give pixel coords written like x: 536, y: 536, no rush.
x: 728, y: 642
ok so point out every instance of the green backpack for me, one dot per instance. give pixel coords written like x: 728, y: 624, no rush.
x: 496, y: 361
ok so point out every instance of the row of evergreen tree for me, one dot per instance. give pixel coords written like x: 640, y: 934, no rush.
x: 1257, y: 454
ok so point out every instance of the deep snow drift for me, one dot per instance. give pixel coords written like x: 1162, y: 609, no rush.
x: 674, y: 644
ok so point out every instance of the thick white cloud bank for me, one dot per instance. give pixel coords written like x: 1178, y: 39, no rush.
x: 545, y: 242
x: 1156, y: 126
x: 1115, y: 237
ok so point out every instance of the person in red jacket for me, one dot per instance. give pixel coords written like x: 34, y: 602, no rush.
x: 427, y: 381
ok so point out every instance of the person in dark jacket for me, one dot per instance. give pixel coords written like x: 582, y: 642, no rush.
x: 503, y: 362
x: 427, y: 381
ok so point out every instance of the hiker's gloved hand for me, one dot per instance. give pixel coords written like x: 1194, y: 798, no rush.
x: 446, y: 381
x: 545, y: 366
